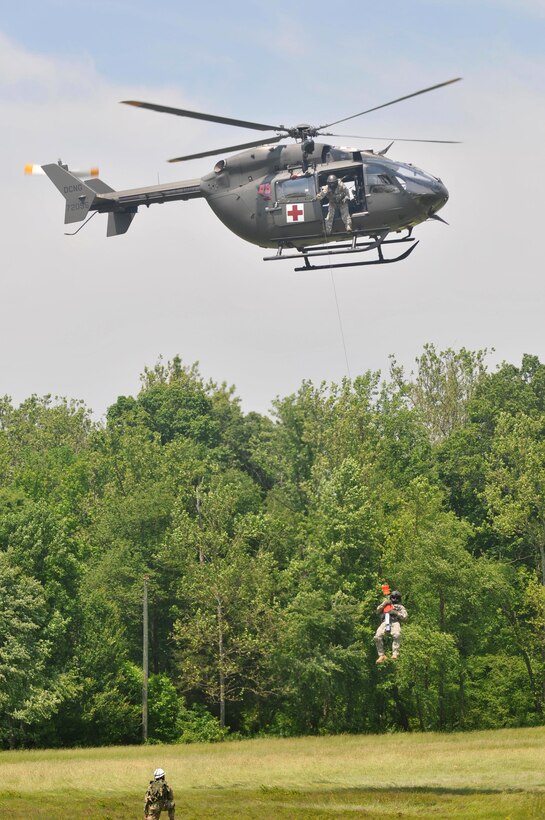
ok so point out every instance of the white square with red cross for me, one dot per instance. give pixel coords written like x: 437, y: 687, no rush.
x: 295, y: 212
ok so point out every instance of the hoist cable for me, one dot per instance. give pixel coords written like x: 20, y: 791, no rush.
x: 340, y: 324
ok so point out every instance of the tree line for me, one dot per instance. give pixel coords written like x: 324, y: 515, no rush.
x: 266, y: 540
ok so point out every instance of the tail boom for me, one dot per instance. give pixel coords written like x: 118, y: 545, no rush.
x: 83, y: 196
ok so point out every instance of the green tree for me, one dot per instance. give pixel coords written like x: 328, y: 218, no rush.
x: 107, y: 705
x: 224, y: 642
x: 228, y: 615
x: 447, y: 594
x: 462, y: 457
x: 323, y: 663
x: 442, y: 386
x: 29, y: 694
x: 515, y: 487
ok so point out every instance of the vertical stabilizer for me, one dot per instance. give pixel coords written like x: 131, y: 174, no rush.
x: 79, y: 196
x: 119, y: 222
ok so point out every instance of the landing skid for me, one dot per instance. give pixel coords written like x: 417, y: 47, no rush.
x: 355, y: 246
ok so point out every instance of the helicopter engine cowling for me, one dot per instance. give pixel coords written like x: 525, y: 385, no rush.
x: 273, y: 158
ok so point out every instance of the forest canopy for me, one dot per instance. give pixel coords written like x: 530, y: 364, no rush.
x: 266, y: 540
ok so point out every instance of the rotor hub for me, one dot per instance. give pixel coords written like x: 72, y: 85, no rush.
x: 302, y: 131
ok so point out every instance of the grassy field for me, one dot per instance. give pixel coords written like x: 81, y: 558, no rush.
x: 497, y: 774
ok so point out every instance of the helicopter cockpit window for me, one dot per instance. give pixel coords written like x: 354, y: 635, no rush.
x: 412, y: 179
x: 379, y: 181
x: 299, y: 188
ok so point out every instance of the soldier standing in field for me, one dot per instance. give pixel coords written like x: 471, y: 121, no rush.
x: 393, y: 614
x: 159, y: 797
x: 338, y: 196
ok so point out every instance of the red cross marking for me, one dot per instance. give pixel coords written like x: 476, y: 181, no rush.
x: 295, y: 213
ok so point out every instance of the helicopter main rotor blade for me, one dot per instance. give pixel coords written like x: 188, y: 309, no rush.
x: 181, y: 112
x: 227, y: 149
x: 396, y: 139
x: 392, y: 102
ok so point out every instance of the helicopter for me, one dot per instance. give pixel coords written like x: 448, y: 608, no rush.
x: 269, y: 194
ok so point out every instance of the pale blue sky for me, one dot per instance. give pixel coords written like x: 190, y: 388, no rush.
x: 139, y: 40
x: 207, y: 47
x: 81, y: 316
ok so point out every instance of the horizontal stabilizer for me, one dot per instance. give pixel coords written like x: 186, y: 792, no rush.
x: 98, y: 186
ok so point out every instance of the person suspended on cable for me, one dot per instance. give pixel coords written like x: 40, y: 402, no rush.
x: 392, y: 614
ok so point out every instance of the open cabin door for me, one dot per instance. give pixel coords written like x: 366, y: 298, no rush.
x: 353, y: 179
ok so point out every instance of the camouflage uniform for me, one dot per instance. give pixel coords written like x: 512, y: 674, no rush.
x: 398, y: 615
x: 337, y: 198
x: 159, y: 797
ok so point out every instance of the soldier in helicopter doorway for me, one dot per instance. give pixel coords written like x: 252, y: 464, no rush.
x: 338, y: 196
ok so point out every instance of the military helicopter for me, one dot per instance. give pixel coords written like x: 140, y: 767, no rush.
x: 268, y: 194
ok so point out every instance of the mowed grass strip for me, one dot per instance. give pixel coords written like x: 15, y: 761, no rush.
x: 290, y: 804
x: 492, y: 774
x: 230, y: 804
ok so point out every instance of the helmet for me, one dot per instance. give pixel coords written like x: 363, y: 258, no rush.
x: 332, y: 181
x: 158, y: 774
x: 395, y: 597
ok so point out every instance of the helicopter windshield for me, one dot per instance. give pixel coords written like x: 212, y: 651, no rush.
x: 412, y: 179
x: 380, y: 180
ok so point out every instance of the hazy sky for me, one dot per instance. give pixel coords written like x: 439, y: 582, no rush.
x: 81, y: 316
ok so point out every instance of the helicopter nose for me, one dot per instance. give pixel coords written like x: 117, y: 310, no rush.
x: 441, y: 196
x: 436, y: 198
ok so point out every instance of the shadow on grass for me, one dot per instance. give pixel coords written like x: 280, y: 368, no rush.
x: 401, y: 790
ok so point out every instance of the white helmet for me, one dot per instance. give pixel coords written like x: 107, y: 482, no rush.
x: 158, y: 774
